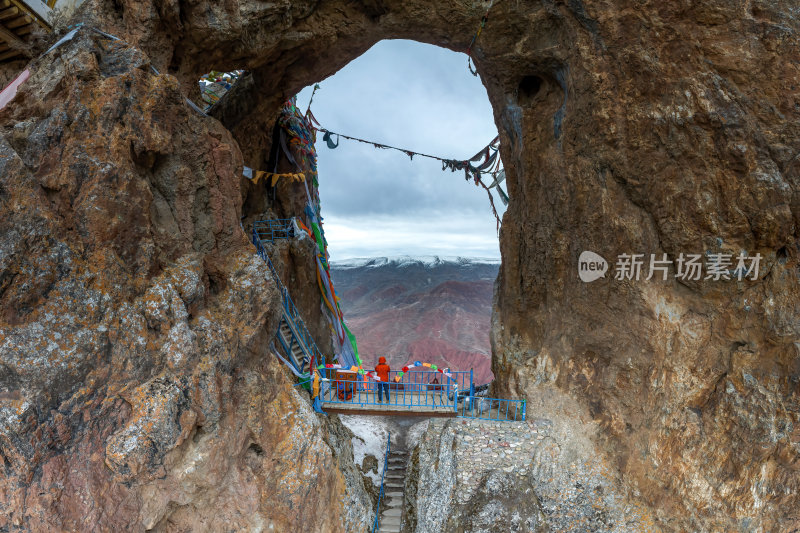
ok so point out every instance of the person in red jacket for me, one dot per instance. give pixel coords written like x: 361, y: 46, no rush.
x: 383, y: 372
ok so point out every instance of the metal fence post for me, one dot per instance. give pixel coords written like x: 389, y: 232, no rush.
x: 471, y: 391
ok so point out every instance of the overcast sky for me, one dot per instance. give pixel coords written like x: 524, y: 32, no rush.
x: 378, y: 202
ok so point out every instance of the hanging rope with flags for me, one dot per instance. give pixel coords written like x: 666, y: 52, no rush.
x: 300, y: 150
x: 487, y: 161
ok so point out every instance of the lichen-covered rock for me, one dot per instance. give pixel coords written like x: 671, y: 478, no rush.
x: 137, y: 389
x: 540, y: 475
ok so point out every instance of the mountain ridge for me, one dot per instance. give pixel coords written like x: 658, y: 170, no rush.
x: 424, y: 308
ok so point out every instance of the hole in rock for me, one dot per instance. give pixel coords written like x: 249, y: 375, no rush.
x: 782, y: 254
x: 529, y: 87
x: 410, y: 232
x: 256, y: 449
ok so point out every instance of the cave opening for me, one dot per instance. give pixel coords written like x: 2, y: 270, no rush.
x: 414, y: 248
x: 412, y: 240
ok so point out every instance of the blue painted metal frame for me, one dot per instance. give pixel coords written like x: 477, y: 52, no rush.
x: 415, y: 390
x: 493, y: 409
x: 383, y: 476
x: 280, y: 228
x: 289, y: 308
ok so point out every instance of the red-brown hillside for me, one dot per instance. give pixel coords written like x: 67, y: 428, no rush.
x: 428, y: 310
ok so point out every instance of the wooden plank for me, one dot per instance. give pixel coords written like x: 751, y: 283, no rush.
x: 36, y: 8
x: 378, y: 412
x: 9, y: 54
x: 8, y: 13
x: 9, y: 37
x: 17, y: 22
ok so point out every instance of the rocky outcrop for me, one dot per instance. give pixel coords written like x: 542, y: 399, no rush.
x: 499, y: 499
x: 137, y: 391
x: 628, y: 127
x: 540, y: 475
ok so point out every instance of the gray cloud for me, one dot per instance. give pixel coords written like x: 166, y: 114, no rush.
x: 414, y: 96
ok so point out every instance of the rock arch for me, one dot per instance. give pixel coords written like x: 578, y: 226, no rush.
x: 632, y: 127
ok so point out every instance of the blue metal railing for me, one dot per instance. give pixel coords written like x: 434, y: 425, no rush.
x: 492, y: 409
x: 288, y: 305
x: 417, y: 389
x: 383, y: 476
x: 269, y: 230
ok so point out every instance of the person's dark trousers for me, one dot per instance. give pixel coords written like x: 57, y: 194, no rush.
x: 383, y: 387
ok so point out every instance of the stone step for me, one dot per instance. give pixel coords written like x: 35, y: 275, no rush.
x: 393, y: 511
x: 393, y: 493
x: 390, y: 521
x: 389, y: 529
x: 396, y: 485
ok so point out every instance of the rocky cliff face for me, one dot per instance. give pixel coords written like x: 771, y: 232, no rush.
x: 628, y: 127
x: 136, y: 387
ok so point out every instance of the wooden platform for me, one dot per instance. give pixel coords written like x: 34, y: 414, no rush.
x: 18, y: 18
x: 413, y: 404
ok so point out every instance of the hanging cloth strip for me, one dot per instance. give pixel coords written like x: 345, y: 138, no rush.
x: 329, y: 140
x: 499, y: 177
x: 257, y: 175
x: 484, y: 20
x: 287, y: 363
x: 487, y: 157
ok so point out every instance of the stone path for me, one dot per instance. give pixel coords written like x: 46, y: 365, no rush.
x: 393, y: 487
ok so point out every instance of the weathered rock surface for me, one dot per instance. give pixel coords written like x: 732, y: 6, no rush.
x: 136, y: 388
x: 626, y: 127
x: 437, y: 499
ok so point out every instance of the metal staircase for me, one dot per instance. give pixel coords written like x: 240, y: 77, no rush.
x: 293, y: 335
x: 298, y: 353
x: 394, y: 487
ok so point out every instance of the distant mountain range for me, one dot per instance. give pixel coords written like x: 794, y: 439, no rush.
x: 431, y: 309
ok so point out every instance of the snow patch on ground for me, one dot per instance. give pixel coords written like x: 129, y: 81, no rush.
x: 414, y: 434
x: 370, y: 434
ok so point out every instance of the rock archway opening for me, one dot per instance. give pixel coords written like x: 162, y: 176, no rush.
x: 426, y: 226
